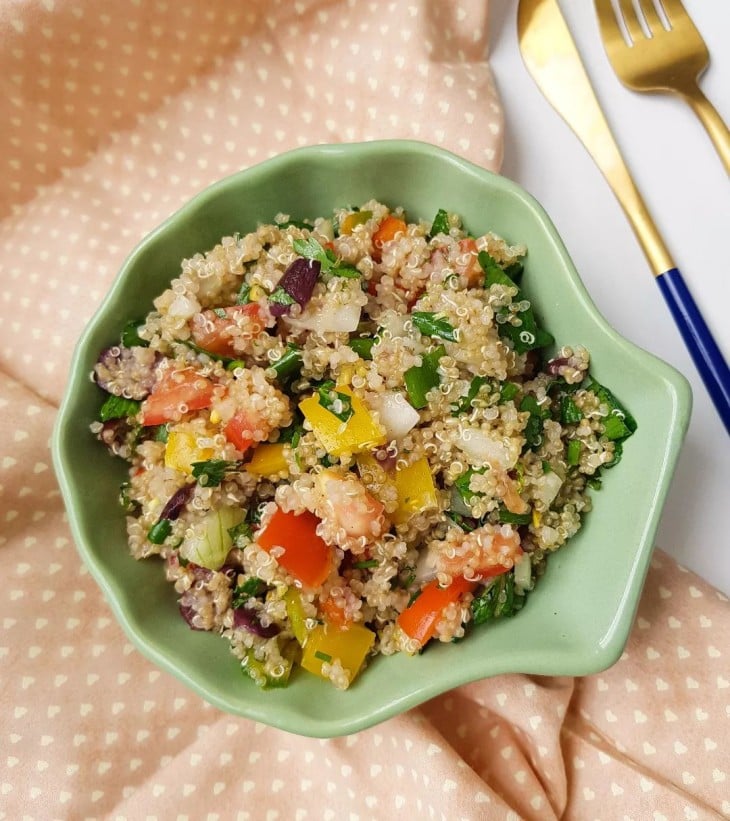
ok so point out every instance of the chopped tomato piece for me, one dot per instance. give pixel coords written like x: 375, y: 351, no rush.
x: 335, y: 614
x: 239, y: 430
x: 213, y: 329
x: 177, y: 393
x: 388, y: 229
x: 419, y: 620
x: 471, y: 270
x: 306, y: 555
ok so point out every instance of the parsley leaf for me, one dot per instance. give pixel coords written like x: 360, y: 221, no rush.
x: 130, y: 335
x: 462, y: 484
x: 211, y: 472
x: 243, y: 592
x: 117, y: 407
x: 337, y: 403
x: 431, y: 324
x: 311, y: 249
x: 464, y: 405
x: 420, y: 379
x: 440, y: 223
x: 499, y: 599
x: 281, y: 297
x: 526, y: 336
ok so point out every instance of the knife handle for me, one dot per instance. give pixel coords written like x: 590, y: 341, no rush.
x: 698, y: 338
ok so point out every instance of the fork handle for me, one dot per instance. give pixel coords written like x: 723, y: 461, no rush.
x: 712, y: 121
x: 698, y: 338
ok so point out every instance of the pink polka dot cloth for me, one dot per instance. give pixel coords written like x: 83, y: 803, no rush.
x: 113, y: 115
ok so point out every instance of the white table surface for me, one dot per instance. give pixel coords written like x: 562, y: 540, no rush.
x: 688, y: 193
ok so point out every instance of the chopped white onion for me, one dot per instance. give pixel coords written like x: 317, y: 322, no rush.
x: 183, y: 307
x: 331, y: 313
x: 547, y: 487
x: 397, y: 416
x: 523, y: 572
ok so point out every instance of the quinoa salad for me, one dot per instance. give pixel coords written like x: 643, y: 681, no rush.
x: 350, y: 436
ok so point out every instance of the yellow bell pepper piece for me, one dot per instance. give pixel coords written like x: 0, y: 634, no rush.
x: 358, y: 434
x: 416, y: 490
x: 268, y: 460
x: 182, y: 450
x: 355, y: 218
x: 327, y: 643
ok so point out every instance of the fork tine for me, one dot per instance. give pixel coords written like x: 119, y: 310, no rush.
x: 610, y: 28
x: 653, y: 20
x: 631, y: 21
x: 677, y: 14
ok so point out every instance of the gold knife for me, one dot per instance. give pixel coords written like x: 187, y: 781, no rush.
x: 552, y: 59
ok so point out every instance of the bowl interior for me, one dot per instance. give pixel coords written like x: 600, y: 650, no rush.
x: 575, y: 622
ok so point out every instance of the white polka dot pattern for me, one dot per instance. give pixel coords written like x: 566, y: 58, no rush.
x: 113, y: 115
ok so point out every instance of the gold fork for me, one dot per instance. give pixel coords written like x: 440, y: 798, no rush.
x: 657, y: 58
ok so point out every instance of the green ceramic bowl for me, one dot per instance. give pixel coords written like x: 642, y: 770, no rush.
x: 577, y: 620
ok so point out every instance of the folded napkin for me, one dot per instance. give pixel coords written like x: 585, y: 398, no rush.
x: 113, y: 115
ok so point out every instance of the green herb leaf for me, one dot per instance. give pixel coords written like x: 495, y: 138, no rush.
x: 462, y: 485
x: 465, y: 523
x: 420, y: 379
x: 363, y: 346
x: 431, y: 324
x: 440, y: 223
x: 293, y: 433
x: 526, y: 336
x: 509, y: 518
x: 570, y: 413
x: 128, y: 505
x: 281, y: 297
x: 212, y: 471
x: 244, y: 295
x: 130, y: 335
x: 494, y: 274
x: 615, y: 428
x: 365, y: 564
x: 159, y: 531
x: 617, y: 411
x: 289, y: 363
x: 338, y: 404
x: 242, y: 529
x: 311, y: 249
x: 508, y: 391
x: 572, y: 456
x: 220, y: 313
x: 499, y: 599
x: 533, y: 428
x: 161, y: 433
x: 117, y: 407
x: 235, y: 364
x: 250, y: 588
x: 326, y: 657
x: 514, y: 271
x: 464, y: 405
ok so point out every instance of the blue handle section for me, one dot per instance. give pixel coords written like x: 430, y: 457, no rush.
x: 697, y: 337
